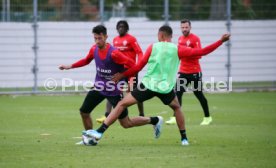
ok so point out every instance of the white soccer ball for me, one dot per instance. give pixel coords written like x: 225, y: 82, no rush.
x: 89, y: 141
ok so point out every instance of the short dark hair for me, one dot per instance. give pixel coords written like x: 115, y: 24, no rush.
x: 166, y: 29
x: 186, y: 21
x: 124, y: 22
x: 99, y: 29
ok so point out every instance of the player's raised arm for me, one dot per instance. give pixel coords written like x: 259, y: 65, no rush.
x: 187, y: 52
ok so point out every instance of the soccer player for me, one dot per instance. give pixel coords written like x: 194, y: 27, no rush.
x: 108, y: 61
x: 128, y: 45
x: 163, y: 60
x: 190, y: 72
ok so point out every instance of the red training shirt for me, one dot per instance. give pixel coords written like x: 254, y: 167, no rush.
x: 183, y: 52
x: 128, y: 45
x: 190, y: 65
x: 117, y: 57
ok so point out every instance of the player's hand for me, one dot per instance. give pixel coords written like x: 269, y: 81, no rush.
x: 225, y: 37
x: 64, y: 67
x: 117, y: 77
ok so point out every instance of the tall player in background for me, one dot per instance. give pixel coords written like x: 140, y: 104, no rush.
x: 190, y: 72
x: 129, y: 46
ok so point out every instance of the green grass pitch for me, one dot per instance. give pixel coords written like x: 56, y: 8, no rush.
x: 41, y: 131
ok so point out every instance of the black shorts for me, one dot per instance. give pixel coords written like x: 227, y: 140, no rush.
x: 93, y: 98
x: 184, y: 80
x: 133, y: 81
x: 141, y: 93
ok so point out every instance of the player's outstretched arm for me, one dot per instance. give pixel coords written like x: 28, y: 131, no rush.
x: 65, y: 67
x: 81, y: 62
x: 225, y: 37
x: 188, y: 52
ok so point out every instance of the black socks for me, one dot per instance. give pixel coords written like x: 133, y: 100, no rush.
x: 106, y: 114
x: 183, y: 134
x: 154, y: 120
x: 102, y: 128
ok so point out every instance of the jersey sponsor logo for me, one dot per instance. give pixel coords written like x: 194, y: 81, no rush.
x: 103, y: 70
x: 121, y: 48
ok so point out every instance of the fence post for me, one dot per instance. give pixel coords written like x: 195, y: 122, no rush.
x: 228, y: 44
x: 6, y: 10
x: 166, y: 12
x: 35, y: 46
x: 102, y: 11
x: 3, y: 10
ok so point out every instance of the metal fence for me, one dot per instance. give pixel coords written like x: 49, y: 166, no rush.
x: 97, y: 10
x: 31, y: 51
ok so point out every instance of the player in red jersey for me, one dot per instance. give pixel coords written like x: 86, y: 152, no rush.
x: 129, y: 46
x: 190, y: 72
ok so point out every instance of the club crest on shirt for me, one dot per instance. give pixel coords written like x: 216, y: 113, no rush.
x: 124, y: 42
x: 188, y: 43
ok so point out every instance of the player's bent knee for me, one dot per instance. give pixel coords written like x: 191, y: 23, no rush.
x: 175, y: 106
x: 125, y: 124
x: 122, y: 104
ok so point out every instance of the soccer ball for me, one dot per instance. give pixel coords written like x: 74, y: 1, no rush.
x: 89, y: 141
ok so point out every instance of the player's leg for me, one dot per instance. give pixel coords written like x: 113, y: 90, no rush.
x: 132, y: 84
x: 203, y: 101
x: 171, y: 100
x: 178, y: 114
x: 141, y: 94
x: 92, y: 99
x: 140, y: 108
x: 108, y: 108
x: 180, y: 120
x: 120, y: 112
x: 119, y: 108
x: 198, y: 92
x: 127, y: 122
x: 180, y: 88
